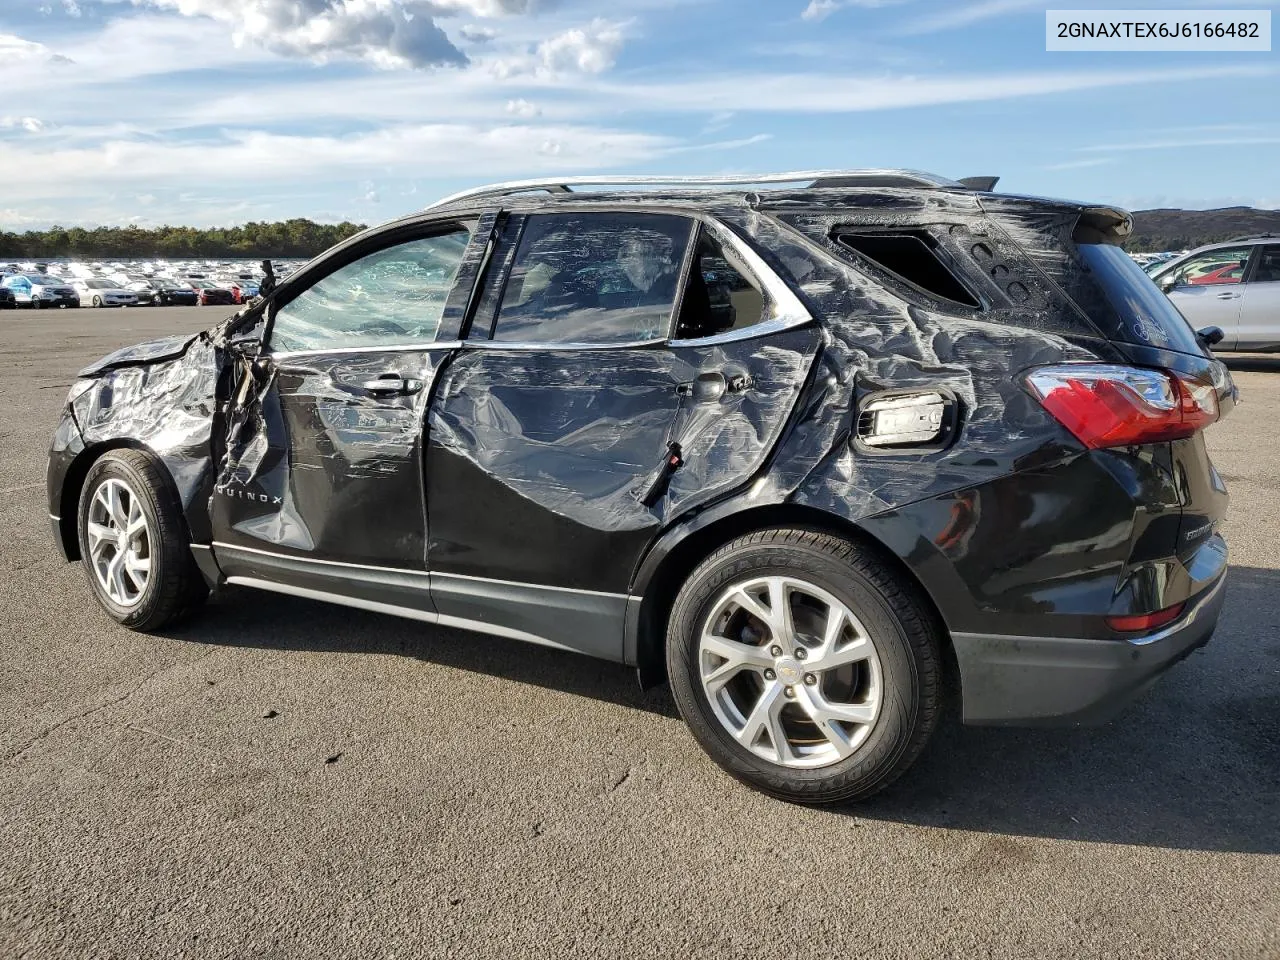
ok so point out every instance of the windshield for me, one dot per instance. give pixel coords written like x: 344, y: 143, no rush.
x: 1147, y: 315
x: 99, y: 285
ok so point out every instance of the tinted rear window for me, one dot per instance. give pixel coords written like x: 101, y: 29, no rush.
x: 1146, y: 314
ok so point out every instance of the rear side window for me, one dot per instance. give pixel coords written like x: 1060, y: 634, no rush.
x: 719, y: 297
x: 1147, y: 315
x: 1212, y: 269
x: 1268, y: 266
x: 911, y: 257
x: 593, y: 278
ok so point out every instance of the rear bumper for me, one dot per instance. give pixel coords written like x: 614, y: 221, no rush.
x: 1031, y: 681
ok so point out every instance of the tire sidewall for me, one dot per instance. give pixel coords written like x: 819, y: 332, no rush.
x: 110, y: 467
x: 893, y: 728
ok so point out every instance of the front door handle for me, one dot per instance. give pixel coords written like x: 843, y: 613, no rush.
x: 392, y: 384
x: 1228, y: 296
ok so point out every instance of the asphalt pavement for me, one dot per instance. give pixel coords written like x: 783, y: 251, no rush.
x: 281, y: 778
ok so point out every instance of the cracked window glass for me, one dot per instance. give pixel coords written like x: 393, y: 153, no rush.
x: 393, y: 296
x: 593, y: 278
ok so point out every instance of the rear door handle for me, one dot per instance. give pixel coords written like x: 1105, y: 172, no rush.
x: 1229, y: 296
x: 710, y: 387
x: 391, y: 384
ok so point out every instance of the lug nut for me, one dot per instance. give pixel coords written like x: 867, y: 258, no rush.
x: 791, y: 692
x: 810, y: 679
x: 801, y: 653
x: 775, y: 651
x: 770, y: 675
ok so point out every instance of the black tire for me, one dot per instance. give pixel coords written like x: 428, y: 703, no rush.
x: 899, y: 622
x: 97, y: 301
x: 174, y: 586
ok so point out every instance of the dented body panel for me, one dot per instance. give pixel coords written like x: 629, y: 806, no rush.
x: 553, y: 493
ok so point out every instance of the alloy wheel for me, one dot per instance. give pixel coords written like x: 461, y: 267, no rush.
x: 789, y: 671
x: 119, y: 542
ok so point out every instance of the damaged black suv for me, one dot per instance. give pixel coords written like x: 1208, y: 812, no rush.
x: 820, y: 455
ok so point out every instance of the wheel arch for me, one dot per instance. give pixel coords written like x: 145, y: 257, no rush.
x: 669, y: 563
x: 73, y: 486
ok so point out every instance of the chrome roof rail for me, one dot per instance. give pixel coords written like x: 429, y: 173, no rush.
x: 810, y: 178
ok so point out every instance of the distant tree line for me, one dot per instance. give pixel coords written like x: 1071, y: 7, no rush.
x: 1157, y: 230
x: 289, y: 239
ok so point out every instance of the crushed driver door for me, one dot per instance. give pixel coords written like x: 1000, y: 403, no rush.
x: 320, y: 484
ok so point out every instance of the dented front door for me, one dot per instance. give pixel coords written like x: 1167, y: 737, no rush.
x: 321, y: 482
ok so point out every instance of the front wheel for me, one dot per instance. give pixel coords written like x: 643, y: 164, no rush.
x: 133, y: 543
x: 805, y: 666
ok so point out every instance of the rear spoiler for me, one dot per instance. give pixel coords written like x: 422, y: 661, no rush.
x: 1109, y: 225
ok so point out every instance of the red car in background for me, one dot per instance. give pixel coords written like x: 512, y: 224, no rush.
x: 1228, y: 273
x: 211, y: 294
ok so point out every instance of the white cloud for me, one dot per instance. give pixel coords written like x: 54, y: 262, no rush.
x: 247, y: 161
x: 476, y: 34
x: 590, y: 49
x: 962, y: 15
x: 29, y: 124
x: 819, y: 10
x: 15, y: 49
x: 1081, y: 164
x: 523, y: 108
x: 386, y: 33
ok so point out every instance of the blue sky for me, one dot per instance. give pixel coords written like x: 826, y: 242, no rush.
x: 212, y: 112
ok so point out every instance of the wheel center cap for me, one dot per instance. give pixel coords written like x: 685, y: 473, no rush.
x: 789, y: 672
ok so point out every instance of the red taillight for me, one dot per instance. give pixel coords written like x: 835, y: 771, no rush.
x: 1108, y: 405
x: 1146, y: 621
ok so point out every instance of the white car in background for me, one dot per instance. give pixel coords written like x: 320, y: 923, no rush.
x: 104, y: 293
x: 1234, y: 286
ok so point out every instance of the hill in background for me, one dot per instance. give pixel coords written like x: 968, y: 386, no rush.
x: 1186, y: 229
x: 1156, y: 230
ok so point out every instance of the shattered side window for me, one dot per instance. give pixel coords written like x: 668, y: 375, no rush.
x: 391, y: 297
x: 593, y: 278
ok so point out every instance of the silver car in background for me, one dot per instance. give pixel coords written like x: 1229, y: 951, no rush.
x: 1234, y: 286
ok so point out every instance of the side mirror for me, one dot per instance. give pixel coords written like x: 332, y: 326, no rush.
x: 1168, y: 283
x: 1211, y: 336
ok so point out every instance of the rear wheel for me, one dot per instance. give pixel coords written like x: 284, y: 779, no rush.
x: 97, y: 301
x: 804, y: 666
x: 133, y: 543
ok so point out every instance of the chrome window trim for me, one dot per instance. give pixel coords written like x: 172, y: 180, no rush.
x: 552, y: 346
x: 786, y: 310
x: 349, y: 351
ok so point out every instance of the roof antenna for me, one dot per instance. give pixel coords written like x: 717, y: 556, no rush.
x: 980, y: 184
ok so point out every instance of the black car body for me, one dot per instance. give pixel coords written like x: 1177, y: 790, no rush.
x: 7, y: 300
x: 175, y: 296
x: 933, y: 375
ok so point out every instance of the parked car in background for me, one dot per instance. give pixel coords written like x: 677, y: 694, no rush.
x: 42, y: 291
x: 211, y: 293
x: 146, y: 291
x: 104, y: 293
x: 171, y: 293
x: 820, y: 457
x: 242, y: 290
x: 1233, y: 286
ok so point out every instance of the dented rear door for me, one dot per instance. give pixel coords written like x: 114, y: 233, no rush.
x: 612, y: 383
